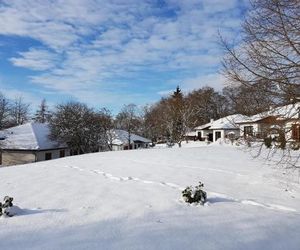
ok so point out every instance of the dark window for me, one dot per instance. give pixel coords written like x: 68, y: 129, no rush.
x: 62, y: 153
x: 217, y: 135
x: 73, y: 152
x: 296, y: 132
x: 248, y: 130
x: 48, y: 156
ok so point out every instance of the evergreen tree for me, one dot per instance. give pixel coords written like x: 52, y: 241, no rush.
x: 176, y: 107
x: 42, y: 115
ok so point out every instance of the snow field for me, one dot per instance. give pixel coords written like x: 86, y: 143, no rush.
x: 132, y: 200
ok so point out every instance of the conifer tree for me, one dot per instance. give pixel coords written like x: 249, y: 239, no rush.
x: 42, y: 115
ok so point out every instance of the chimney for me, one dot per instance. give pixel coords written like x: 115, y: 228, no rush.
x: 211, y: 120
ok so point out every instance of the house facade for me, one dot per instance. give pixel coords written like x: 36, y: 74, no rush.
x: 285, y: 120
x: 222, y: 128
x: 120, y: 140
x: 29, y: 143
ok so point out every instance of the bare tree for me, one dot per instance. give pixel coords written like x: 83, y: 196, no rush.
x: 4, y: 111
x: 42, y: 115
x: 269, y: 51
x: 79, y: 126
x: 208, y: 104
x: 19, y: 111
x: 171, y: 118
x: 248, y: 100
x: 267, y: 59
x: 128, y: 120
x: 107, y: 125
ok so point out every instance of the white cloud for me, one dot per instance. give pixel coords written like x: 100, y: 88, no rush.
x: 35, y: 59
x: 215, y: 80
x: 93, y: 44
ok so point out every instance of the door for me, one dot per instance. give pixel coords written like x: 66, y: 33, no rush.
x: 210, y: 136
x: 217, y: 135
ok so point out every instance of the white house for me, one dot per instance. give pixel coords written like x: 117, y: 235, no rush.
x: 225, y: 127
x: 29, y: 143
x: 285, y: 119
x: 120, y: 140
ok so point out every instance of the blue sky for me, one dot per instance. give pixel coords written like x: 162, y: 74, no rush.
x: 114, y: 52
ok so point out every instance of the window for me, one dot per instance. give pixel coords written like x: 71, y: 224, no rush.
x: 73, y: 152
x: 248, y: 130
x: 62, y: 153
x: 296, y: 132
x: 48, y: 156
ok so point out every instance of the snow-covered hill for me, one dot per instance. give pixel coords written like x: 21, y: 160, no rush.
x: 132, y: 200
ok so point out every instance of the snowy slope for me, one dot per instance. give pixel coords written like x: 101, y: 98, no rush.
x: 131, y: 200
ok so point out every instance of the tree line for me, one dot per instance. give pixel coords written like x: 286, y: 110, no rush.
x: 263, y: 71
x: 86, y: 129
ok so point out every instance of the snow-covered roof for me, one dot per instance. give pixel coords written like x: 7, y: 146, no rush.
x: 290, y: 111
x: 29, y: 136
x: 121, y: 137
x: 191, y: 133
x: 227, y: 122
x: 204, y: 126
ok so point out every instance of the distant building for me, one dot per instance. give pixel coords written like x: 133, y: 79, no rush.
x: 225, y: 127
x: 120, y: 140
x: 285, y: 119
x: 29, y: 143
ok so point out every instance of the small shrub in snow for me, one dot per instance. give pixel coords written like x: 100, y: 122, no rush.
x: 295, y: 145
x: 194, y: 194
x: 5, y: 208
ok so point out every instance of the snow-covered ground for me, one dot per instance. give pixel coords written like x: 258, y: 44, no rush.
x: 132, y: 200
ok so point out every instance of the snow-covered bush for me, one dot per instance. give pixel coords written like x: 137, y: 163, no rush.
x: 295, y: 146
x: 6, y: 206
x: 194, y: 194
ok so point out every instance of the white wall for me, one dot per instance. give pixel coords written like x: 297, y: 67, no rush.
x: 226, y: 133
x: 256, y: 128
x: 215, y: 132
x: 117, y: 147
x: 55, y: 154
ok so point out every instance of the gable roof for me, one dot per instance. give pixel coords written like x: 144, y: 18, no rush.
x: 121, y: 137
x: 29, y: 136
x: 291, y: 111
x: 227, y: 122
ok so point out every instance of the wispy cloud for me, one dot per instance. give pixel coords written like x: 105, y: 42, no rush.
x: 93, y: 45
x: 36, y: 59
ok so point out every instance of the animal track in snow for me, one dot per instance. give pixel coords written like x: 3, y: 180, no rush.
x: 129, y: 178
x: 217, y: 197
x: 212, y: 196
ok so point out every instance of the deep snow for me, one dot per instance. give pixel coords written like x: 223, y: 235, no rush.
x: 132, y: 200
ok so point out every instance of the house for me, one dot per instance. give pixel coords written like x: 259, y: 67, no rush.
x: 284, y: 119
x: 225, y: 127
x: 120, y: 140
x: 29, y: 143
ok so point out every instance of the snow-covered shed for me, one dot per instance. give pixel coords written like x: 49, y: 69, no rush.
x: 120, y: 140
x: 225, y: 127
x: 28, y: 143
